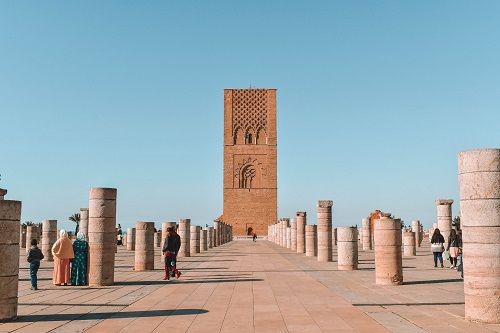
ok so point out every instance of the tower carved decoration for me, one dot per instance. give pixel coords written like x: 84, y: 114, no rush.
x: 250, y: 162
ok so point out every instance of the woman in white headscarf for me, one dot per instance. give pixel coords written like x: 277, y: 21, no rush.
x: 63, y: 252
x: 79, y: 264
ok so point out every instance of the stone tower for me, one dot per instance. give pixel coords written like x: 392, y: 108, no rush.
x: 250, y: 160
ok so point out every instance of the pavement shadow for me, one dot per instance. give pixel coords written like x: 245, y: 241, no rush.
x: 432, y: 281
x: 106, y: 315
x: 408, y: 304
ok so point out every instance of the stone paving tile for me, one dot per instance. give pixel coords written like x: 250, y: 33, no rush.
x: 249, y: 287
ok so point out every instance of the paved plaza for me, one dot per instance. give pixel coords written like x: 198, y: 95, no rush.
x: 246, y: 286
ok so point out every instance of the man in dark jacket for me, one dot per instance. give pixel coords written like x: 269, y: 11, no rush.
x: 170, y: 250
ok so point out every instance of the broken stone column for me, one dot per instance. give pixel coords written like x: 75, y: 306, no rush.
x: 22, y: 233
x: 324, y: 230
x: 311, y: 247
x: 84, y: 221
x: 157, y: 238
x: 131, y: 239
x: 293, y: 234
x: 194, y: 246
x: 415, y: 227
x: 347, y: 248
x: 10, y: 218
x: 31, y: 233
x: 367, y: 234
x: 204, y: 241
x: 184, y: 233
x: 388, y: 258
x: 409, y: 248
x: 217, y: 233
x: 444, y: 218
x: 210, y: 237
x: 334, y: 236
x: 144, y: 246
x: 288, y: 237
x: 479, y: 187
x: 102, y: 236
x: 49, y: 237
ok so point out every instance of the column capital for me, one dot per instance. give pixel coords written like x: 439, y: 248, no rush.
x: 444, y: 201
x: 325, y: 203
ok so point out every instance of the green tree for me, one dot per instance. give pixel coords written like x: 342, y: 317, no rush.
x: 456, y: 222
x: 75, y: 218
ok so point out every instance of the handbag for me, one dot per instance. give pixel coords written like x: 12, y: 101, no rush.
x: 167, y: 254
x: 447, y: 255
x: 437, y: 247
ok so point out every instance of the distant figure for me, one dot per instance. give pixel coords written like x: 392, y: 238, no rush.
x: 170, y: 249
x: 437, y: 247
x: 174, y: 233
x: 119, y: 230
x: 454, y: 243
x: 254, y: 237
x: 34, y: 256
x: 63, y: 252
x: 79, y: 264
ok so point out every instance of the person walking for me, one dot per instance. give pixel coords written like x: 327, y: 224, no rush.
x: 79, y: 264
x: 454, y: 243
x: 63, y: 252
x: 437, y: 247
x: 254, y: 237
x: 174, y: 233
x: 34, y: 256
x: 170, y: 248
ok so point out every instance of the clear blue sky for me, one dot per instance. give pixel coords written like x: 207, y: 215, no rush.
x: 375, y: 100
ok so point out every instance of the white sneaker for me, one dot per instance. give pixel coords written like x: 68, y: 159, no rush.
x: 451, y: 266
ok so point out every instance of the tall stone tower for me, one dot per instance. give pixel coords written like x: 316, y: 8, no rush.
x: 250, y: 160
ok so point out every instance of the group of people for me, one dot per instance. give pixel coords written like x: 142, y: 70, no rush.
x: 454, y: 247
x: 70, y: 260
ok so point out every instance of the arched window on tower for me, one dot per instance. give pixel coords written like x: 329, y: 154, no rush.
x: 247, y: 176
x: 249, y: 138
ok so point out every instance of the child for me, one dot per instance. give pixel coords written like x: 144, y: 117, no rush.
x: 34, y: 257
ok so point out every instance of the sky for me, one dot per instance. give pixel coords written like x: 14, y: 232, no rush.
x: 374, y: 101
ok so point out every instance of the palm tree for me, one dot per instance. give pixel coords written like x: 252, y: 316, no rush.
x: 75, y: 218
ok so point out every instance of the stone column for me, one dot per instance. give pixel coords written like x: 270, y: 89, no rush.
x: 22, y: 233
x: 347, y: 248
x: 184, y: 230
x: 409, y: 248
x: 479, y: 186
x: 293, y: 234
x: 388, y: 258
x: 325, y: 230
x: 194, y: 245
x: 131, y: 239
x: 49, y: 237
x: 10, y: 219
x: 288, y: 237
x: 367, y: 234
x: 284, y: 225
x: 415, y: 227
x: 102, y: 236
x: 124, y: 240
x: 311, y: 247
x: 334, y: 236
x: 144, y: 246
x: 301, y: 232
x: 31, y: 233
x: 204, y: 240
x: 217, y: 233
x: 444, y: 218
x: 157, y: 238
x: 84, y: 221
x: 210, y: 237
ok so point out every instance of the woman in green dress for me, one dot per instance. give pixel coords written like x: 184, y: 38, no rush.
x: 79, y: 265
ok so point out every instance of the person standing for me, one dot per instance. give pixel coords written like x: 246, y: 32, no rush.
x: 437, y: 247
x: 79, y: 264
x: 63, y: 252
x: 34, y: 257
x: 454, y: 243
x: 170, y: 249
